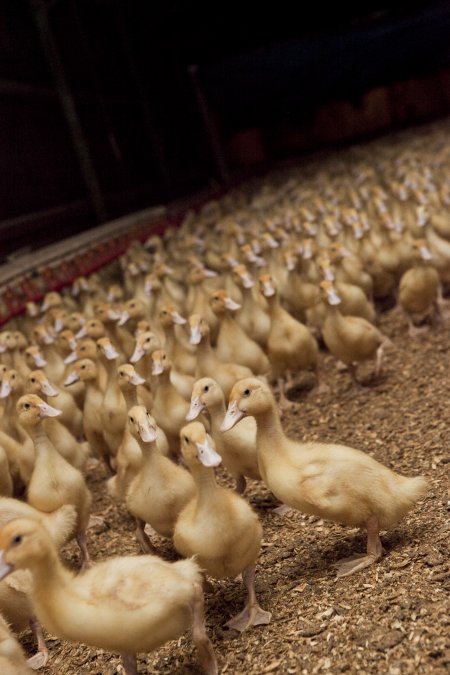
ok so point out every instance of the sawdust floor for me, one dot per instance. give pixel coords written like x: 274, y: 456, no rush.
x: 390, y: 618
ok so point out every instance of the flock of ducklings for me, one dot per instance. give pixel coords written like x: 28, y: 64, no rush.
x: 181, y: 358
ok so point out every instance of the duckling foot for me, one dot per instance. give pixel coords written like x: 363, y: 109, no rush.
x: 203, y: 644
x: 252, y: 614
x: 283, y: 510
x: 129, y: 664
x: 143, y: 537
x: 39, y: 660
x: 374, y: 552
x: 354, y: 564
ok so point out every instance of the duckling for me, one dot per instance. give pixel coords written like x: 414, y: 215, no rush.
x: 161, y: 488
x: 113, y: 410
x: 331, y: 481
x: 12, y: 658
x: 290, y: 345
x: 181, y: 354
x: 208, y: 364
x: 74, y: 452
x: 237, y: 447
x: 233, y: 344
x: 418, y: 289
x: 6, y: 481
x: 218, y: 526
x: 125, y: 604
x: 44, y: 337
x: 351, y: 339
x: 15, y: 604
x: 54, y: 481
x: 37, y: 383
x: 252, y: 317
x: 169, y: 407
x: 87, y: 371
x: 87, y: 349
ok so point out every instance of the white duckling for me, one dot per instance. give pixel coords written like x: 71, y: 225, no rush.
x: 237, y: 447
x: 218, y: 526
x: 54, y: 481
x: 125, y: 604
x: 161, y: 488
x: 331, y: 481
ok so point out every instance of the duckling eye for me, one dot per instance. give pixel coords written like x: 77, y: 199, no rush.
x: 132, y: 420
x: 186, y: 439
x: 26, y: 406
x: 246, y: 392
x: 13, y: 377
x: 33, y: 380
x: 83, y: 367
x: 206, y: 388
x: 17, y: 540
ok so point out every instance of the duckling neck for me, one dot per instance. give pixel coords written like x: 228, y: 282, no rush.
x: 205, y: 479
x: 217, y: 413
x: 269, y: 429
x: 39, y: 437
x: 148, y: 451
x: 130, y: 396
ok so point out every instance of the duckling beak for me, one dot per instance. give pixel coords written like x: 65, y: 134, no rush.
x: 47, y: 410
x: 123, y: 318
x: 71, y: 378
x: 5, y: 389
x: 110, y: 353
x: 425, y: 253
x: 47, y: 339
x: 177, y: 318
x: 196, y: 336
x: 158, y: 368
x: 268, y: 290
x: 70, y: 358
x: 333, y: 298
x: 231, y: 304
x: 137, y: 379
x: 137, y: 354
x: 195, y: 409
x: 81, y: 333
x: 147, y: 433
x: 5, y: 568
x: 148, y: 287
x: 232, y: 417
x: 208, y: 455
x: 48, y: 389
x: 209, y: 274
x: 247, y: 281
x: 39, y: 361
x: 113, y: 315
x: 58, y: 325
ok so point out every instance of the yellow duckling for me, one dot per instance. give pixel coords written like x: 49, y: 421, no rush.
x: 87, y: 372
x: 418, y: 289
x: 237, y: 447
x: 208, y: 364
x: 12, y: 658
x: 54, y: 481
x: 73, y: 451
x: 233, y: 344
x: 15, y: 604
x: 351, y: 339
x: 291, y: 345
x: 331, y: 481
x: 161, y: 488
x: 218, y: 526
x: 6, y: 481
x: 126, y: 604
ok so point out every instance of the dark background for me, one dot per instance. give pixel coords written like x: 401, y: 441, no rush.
x: 102, y: 113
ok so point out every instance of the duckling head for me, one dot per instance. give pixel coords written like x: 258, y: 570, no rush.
x: 242, y: 277
x: 199, y: 329
x: 87, y: 349
x: 221, y: 302
x: 146, y: 343
x: 205, y: 392
x: 106, y: 349
x: 127, y: 377
x: 20, y: 339
x: 169, y: 316
x: 11, y: 382
x: 267, y: 285
x: 32, y: 409
x: 197, y: 447
x: 132, y: 309
x: 83, y: 370
x: 37, y: 383
x: 249, y: 396
x: 329, y: 292
x: 141, y: 424
x: 94, y: 328
x: 23, y: 542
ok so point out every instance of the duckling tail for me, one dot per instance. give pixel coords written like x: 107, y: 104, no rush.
x: 190, y: 570
x: 413, y: 489
x: 61, y: 524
